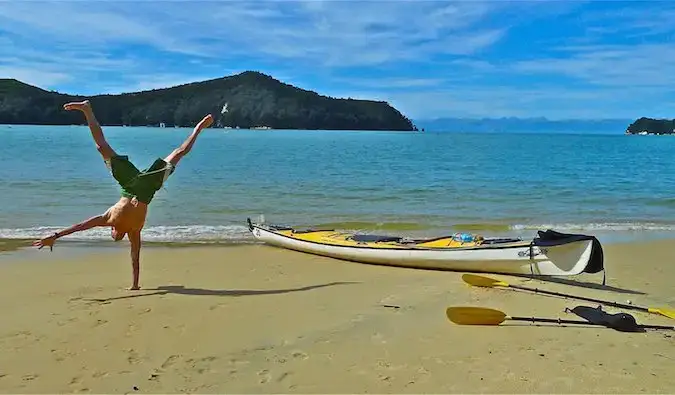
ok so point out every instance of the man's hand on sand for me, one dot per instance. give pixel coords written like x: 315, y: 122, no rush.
x: 205, y: 122
x: 46, y: 242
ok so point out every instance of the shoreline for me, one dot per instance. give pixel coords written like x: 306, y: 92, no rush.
x: 23, y: 244
x: 251, y: 129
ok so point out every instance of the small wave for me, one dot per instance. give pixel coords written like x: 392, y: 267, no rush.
x: 186, y: 233
x: 608, y: 226
x: 363, y: 225
x: 235, y: 234
x: 483, y: 227
x: 670, y: 202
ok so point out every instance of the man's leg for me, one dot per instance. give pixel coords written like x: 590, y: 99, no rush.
x: 96, y: 132
x: 177, y: 154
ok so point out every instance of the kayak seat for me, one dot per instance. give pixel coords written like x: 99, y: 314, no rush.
x: 501, y: 240
x: 310, y: 230
x: 280, y: 227
x: 375, y: 238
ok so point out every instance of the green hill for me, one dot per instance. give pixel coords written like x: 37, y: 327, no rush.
x: 253, y: 99
x: 652, y: 126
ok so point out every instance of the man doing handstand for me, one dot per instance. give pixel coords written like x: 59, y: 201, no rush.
x: 127, y: 216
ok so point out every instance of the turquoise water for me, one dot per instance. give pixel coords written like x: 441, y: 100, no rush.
x: 383, y: 182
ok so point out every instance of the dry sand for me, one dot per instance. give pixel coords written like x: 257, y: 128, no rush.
x: 255, y: 319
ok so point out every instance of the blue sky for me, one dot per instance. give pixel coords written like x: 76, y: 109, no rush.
x: 559, y: 59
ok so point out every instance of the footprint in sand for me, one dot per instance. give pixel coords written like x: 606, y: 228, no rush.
x: 239, y: 362
x: 130, y: 330
x: 99, y: 323
x: 299, y: 355
x: 169, y: 361
x: 378, y: 338
x: 66, y: 321
x: 265, y: 376
x: 132, y: 356
x: 202, y: 365
x: 19, y: 334
x: 383, y: 364
x: 383, y: 377
x: 283, y: 376
x: 99, y: 374
x: 57, y: 355
x: 29, y: 377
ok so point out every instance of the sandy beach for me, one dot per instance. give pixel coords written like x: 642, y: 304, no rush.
x: 255, y: 319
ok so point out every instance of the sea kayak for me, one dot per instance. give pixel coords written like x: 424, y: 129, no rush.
x: 551, y: 253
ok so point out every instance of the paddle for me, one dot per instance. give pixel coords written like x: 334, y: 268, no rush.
x: 481, y: 281
x: 485, y: 316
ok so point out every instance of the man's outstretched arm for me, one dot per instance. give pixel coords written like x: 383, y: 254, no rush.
x: 99, y: 220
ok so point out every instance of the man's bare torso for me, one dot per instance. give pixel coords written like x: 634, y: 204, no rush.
x: 127, y: 215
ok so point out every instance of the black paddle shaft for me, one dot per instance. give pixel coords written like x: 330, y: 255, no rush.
x: 623, y: 306
x: 579, y: 322
x: 553, y: 320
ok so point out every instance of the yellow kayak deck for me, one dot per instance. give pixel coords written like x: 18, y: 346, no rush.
x: 332, y: 237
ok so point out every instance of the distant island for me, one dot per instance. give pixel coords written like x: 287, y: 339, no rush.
x: 249, y: 100
x: 643, y: 126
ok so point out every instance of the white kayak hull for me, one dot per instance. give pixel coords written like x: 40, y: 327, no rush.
x: 566, y: 256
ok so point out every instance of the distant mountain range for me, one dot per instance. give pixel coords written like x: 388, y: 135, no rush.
x: 522, y: 125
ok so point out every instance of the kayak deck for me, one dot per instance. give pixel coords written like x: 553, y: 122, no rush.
x: 336, y: 238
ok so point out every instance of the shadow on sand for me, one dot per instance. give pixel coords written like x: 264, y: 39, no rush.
x: 582, y: 284
x: 182, y: 290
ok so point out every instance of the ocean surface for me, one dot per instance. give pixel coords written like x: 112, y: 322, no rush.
x: 421, y: 184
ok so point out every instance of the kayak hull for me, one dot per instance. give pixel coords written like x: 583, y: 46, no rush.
x: 565, y: 256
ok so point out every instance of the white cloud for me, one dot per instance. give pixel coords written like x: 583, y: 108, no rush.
x: 625, y: 66
x: 75, y: 24
x: 389, y: 83
x: 495, y: 102
x: 135, y: 45
x: 650, y: 18
x: 145, y: 82
x: 627, y: 47
x: 337, y: 33
x: 34, y: 77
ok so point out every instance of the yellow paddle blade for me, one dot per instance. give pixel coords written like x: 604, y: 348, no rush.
x: 666, y: 312
x: 474, y: 316
x: 481, y: 281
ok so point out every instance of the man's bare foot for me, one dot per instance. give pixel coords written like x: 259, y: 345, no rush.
x: 205, y: 122
x: 81, y: 106
x: 134, y: 288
